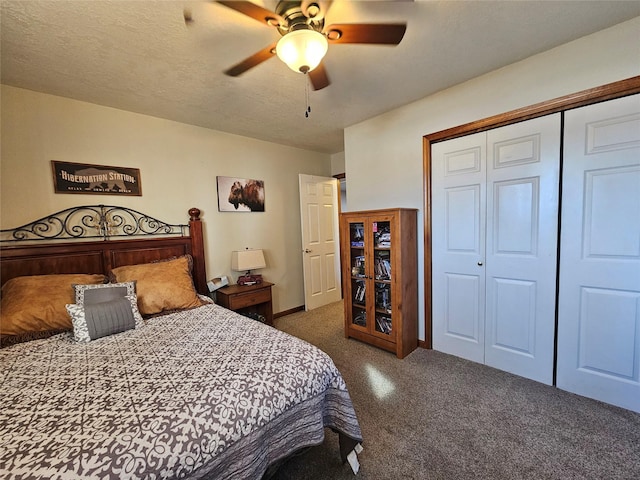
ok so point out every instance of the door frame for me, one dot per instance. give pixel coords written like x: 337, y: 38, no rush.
x: 609, y: 91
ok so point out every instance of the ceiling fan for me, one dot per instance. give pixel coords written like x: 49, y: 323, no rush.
x: 305, y: 38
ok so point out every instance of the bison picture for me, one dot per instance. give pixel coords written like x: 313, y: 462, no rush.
x: 244, y: 195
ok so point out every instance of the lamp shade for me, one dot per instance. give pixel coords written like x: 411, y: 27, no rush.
x: 245, y: 260
x: 302, y: 50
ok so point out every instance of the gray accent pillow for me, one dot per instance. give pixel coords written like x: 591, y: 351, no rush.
x: 103, y: 292
x: 92, y: 321
x: 107, y: 318
x: 100, y: 295
x: 92, y: 294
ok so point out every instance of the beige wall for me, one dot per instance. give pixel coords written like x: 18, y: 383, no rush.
x: 178, y: 163
x: 383, y: 155
x: 337, y: 163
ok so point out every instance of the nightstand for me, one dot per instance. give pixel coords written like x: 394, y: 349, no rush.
x: 248, y: 298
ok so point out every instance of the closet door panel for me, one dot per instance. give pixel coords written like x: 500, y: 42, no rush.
x: 461, y: 319
x: 599, y: 295
x: 458, y: 225
x: 522, y: 218
x: 515, y: 217
x: 513, y: 297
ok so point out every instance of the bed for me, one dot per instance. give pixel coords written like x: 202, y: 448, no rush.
x: 174, y: 387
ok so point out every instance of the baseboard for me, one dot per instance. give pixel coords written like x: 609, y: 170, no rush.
x: 288, y: 312
x: 421, y: 343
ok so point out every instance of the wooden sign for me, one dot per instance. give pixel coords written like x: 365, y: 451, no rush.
x: 95, y: 179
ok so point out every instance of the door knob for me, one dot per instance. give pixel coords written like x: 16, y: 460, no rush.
x: 479, y: 264
x: 306, y: 250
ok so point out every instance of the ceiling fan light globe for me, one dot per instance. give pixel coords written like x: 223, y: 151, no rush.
x: 302, y: 50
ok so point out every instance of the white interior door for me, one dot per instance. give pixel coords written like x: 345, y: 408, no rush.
x: 458, y: 236
x: 494, y: 244
x: 599, y: 297
x: 320, y: 240
x: 523, y: 171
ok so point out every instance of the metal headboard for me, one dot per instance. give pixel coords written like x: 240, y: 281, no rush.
x: 92, y: 222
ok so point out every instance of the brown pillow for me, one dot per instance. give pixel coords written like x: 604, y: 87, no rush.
x: 37, y: 303
x: 161, y: 286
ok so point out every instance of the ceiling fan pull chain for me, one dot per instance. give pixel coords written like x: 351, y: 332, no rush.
x: 306, y: 93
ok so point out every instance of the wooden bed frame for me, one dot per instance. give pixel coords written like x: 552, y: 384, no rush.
x: 86, y: 240
x: 58, y: 243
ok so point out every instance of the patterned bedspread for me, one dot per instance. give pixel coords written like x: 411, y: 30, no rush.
x: 204, y: 393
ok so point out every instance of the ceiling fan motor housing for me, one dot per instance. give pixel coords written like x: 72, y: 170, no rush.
x: 296, y: 19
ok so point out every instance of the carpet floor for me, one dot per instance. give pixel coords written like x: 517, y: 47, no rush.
x: 436, y: 416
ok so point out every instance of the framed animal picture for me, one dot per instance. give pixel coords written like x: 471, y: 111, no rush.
x: 240, y: 194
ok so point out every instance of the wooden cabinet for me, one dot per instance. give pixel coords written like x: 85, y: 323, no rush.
x: 380, y: 278
x: 248, y: 299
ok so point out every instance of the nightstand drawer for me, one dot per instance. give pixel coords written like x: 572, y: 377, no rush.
x: 247, y: 299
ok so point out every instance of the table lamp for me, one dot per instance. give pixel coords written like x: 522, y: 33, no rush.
x: 245, y: 261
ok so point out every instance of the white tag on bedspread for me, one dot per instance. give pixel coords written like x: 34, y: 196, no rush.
x: 352, y: 458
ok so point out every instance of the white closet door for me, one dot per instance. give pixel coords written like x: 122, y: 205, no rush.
x: 523, y: 170
x: 599, y: 300
x: 494, y: 303
x: 458, y: 236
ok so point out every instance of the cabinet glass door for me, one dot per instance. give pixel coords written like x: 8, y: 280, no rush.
x: 382, y: 275
x: 358, y: 274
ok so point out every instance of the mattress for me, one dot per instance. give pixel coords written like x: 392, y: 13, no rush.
x: 202, y: 393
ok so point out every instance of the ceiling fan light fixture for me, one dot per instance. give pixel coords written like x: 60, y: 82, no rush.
x: 302, y: 50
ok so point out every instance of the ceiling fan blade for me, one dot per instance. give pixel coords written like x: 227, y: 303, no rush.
x: 380, y: 33
x: 318, y: 77
x: 254, y: 11
x: 250, y: 62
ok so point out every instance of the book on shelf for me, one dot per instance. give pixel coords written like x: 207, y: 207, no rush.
x: 383, y: 324
x: 361, y: 319
x: 357, y: 235
x: 357, y: 266
x: 382, y: 267
x: 383, y: 236
x: 383, y: 297
x: 359, y: 294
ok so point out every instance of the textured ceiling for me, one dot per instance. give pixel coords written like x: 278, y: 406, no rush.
x: 139, y: 56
